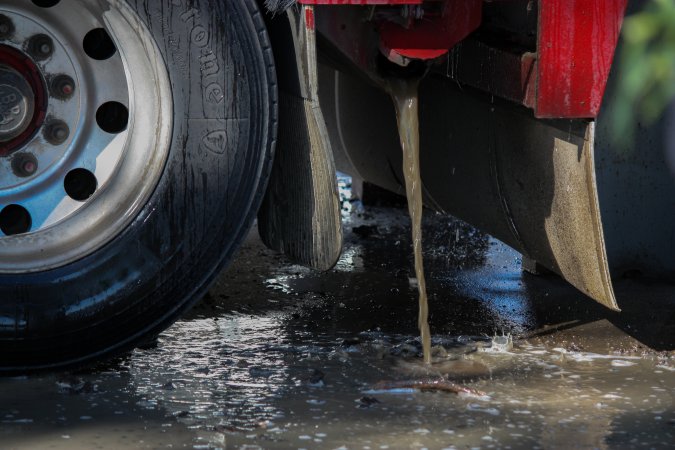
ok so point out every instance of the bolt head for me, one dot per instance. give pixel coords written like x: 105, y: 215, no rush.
x: 24, y: 165
x: 40, y: 46
x: 60, y: 133
x: 29, y: 167
x: 62, y: 87
x: 57, y: 132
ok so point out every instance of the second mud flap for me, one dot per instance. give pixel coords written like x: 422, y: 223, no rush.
x: 300, y: 215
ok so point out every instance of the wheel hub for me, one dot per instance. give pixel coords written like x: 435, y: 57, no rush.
x: 16, y: 99
x: 85, y: 128
x: 22, y: 99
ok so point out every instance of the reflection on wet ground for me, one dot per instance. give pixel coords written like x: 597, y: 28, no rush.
x: 277, y: 356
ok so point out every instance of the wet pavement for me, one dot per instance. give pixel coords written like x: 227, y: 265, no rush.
x: 278, y: 356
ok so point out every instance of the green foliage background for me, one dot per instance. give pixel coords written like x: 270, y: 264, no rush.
x: 647, y: 65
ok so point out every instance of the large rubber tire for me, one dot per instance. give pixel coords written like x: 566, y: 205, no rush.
x: 202, y: 208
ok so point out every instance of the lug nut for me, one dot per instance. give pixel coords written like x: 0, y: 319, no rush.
x: 24, y: 165
x: 6, y: 27
x: 62, y: 87
x: 56, y: 132
x: 40, y: 46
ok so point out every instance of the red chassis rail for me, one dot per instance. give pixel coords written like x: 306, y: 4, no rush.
x: 565, y: 78
x: 575, y: 49
x: 361, y: 2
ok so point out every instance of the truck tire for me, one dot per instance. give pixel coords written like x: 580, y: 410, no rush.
x: 136, y: 140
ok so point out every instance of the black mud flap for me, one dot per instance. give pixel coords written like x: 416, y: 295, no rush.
x: 530, y: 183
x: 300, y: 215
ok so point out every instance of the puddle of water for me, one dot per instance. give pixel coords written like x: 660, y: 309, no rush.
x: 282, y: 357
x: 268, y: 381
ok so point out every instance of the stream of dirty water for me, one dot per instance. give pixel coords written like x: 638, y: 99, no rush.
x: 404, y: 94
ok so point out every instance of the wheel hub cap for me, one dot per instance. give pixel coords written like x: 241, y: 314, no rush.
x: 22, y: 99
x: 16, y: 99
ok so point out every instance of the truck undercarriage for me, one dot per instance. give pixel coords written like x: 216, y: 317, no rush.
x: 139, y: 141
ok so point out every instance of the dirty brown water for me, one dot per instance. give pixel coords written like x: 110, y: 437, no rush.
x: 279, y: 357
x: 406, y: 102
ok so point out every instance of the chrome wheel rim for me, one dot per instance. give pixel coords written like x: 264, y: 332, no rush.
x: 85, y: 127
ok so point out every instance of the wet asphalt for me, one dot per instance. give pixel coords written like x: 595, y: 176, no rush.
x: 279, y: 356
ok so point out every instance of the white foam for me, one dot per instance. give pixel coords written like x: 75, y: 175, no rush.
x: 622, y: 363
x: 478, y: 408
x: 589, y: 357
x: 612, y: 396
x: 390, y: 391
